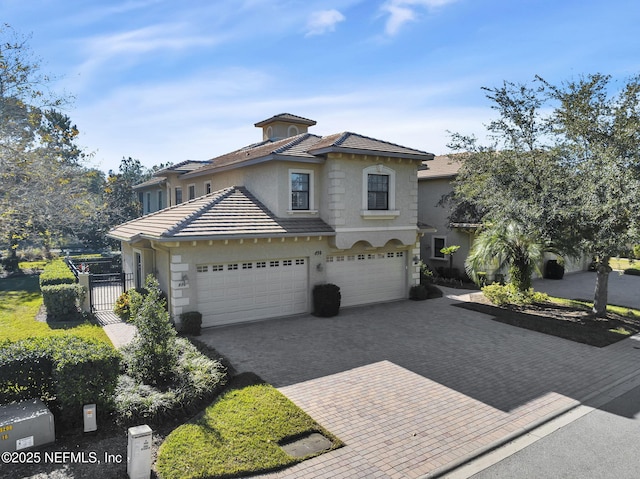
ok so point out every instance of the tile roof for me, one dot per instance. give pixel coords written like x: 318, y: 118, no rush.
x: 355, y: 143
x: 442, y: 166
x: 307, y: 146
x: 229, y: 213
x: 184, y: 166
x: 286, y: 117
x: 158, y: 180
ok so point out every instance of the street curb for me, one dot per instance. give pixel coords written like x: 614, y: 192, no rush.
x: 596, y: 399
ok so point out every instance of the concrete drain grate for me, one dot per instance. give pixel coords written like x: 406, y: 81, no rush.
x: 306, y: 445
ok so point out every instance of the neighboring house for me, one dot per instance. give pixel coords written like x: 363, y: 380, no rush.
x: 165, y: 188
x: 434, y: 183
x: 283, y: 215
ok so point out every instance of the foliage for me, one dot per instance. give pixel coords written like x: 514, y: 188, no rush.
x: 506, y: 245
x: 636, y: 251
x: 65, y: 371
x: 326, y: 300
x: 509, y: 294
x: 197, y: 377
x: 565, y: 163
x: 63, y: 301
x: 152, y: 355
x: 128, y: 304
x: 56, y: 272
x: 191, y: 322
x: 239, y: 434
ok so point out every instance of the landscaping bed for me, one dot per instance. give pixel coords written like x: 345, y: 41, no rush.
x: 568, y: 319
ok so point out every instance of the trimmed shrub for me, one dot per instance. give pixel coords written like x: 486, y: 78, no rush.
x: 553, y: 269
x: 636, y: 251
x: 64, y: 371
x: 63, y: 300
x: 418, y: 292
x: 129, y: 303
x: 191, y: 323
x: 56, y: 272
x: 326, y: 300
x: 508, y: 294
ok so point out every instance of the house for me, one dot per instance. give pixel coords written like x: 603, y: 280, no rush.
x: 260, y: 226
x: 434, y: 184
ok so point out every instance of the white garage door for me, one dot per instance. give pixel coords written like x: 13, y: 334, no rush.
x: 244, y: 291
x: 368, y: 278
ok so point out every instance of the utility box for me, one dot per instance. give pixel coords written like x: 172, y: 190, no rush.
x: 89, y: 414
x: 25, y: 424
x: 139, y: 452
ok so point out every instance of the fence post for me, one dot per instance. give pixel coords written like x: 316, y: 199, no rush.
x: 84, y: 279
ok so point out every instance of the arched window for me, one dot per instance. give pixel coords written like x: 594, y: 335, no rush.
x: 293, y: 130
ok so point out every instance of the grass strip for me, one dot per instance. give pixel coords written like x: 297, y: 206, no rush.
x: 237, y: 435
x: 20, y: 301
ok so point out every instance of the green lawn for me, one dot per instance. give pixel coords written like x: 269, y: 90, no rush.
x: 239, y: 434
x: 20, y: 301
x: 623, y: 263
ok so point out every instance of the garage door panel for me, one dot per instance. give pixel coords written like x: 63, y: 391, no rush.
x: 245, y: 291
x: 368, y: 278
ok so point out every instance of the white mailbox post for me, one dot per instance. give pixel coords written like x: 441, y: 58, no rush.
x: 139, y: 452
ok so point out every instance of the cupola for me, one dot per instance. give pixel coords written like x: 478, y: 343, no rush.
x: 283, y: 125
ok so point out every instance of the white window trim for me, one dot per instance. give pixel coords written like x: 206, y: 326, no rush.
x: 292, y: 130
x: 433, y: 248
x: 390, y: 213
x: 312, y: 210
x: 205, y: 187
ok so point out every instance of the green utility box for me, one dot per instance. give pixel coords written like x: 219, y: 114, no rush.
x: 25, y: 424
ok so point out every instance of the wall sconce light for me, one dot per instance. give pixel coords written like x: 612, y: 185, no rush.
x: 416, y: 260
x: 319, y: 267
x: 184, y: 281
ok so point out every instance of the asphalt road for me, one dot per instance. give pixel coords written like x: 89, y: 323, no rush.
x: 602, y: 444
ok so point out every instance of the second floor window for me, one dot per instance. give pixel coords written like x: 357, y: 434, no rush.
x: 192, y: 191
x: 299, y: 191
x: 207, y: 188
x: 378, y: 192
x: 159, y: 200
x: 148, y: 203
x: 178, y: 196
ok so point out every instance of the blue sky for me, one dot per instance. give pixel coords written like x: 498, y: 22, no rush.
x: 167, y: 80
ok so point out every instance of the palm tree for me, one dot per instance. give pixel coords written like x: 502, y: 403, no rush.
x: 507, y: 245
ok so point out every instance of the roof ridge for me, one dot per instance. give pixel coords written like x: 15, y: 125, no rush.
x: 296, y: 140
x: 217, y: 197
x: 350, y: 133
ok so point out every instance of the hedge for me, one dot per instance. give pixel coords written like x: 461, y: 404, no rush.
x: 66, y: 372
x: 326, y: 300
x: 62, y: 300
x: 57, y: 272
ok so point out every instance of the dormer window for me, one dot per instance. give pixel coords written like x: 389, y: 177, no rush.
x: 293, y: 130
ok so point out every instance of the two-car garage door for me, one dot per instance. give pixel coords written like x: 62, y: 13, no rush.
x: 244, y: 291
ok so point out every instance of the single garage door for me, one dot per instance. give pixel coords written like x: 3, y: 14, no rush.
x: 244, y: 291
x: 368, y: 278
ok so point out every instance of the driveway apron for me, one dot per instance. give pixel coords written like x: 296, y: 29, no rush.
x: 414, y: 388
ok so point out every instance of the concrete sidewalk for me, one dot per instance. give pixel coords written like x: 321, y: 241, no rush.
x: 416, y: 388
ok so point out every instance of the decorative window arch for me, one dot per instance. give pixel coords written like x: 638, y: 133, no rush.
x: 293, y: 130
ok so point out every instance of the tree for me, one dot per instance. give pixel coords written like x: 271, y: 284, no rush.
x: 450, y: 251
x: 506, y: 245
x: 38, y: 157
x: 598, y: 130
x: 564, y: 165
x: 121, y: 202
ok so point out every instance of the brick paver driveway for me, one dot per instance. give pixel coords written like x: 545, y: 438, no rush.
x: 414, y: 387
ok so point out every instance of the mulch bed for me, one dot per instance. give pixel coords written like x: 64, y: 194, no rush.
x: 579, y: 325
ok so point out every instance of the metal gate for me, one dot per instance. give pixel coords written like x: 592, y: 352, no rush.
x: 105, y: 289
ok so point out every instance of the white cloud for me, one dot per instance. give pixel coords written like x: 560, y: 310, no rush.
x: 324, y: 21
x: 403, y: 11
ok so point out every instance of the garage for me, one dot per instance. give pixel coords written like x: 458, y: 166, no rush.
x: 244, y: 291
x: 368, y: 277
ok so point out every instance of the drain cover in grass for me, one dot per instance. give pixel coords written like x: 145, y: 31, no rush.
x: 306, y: 445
